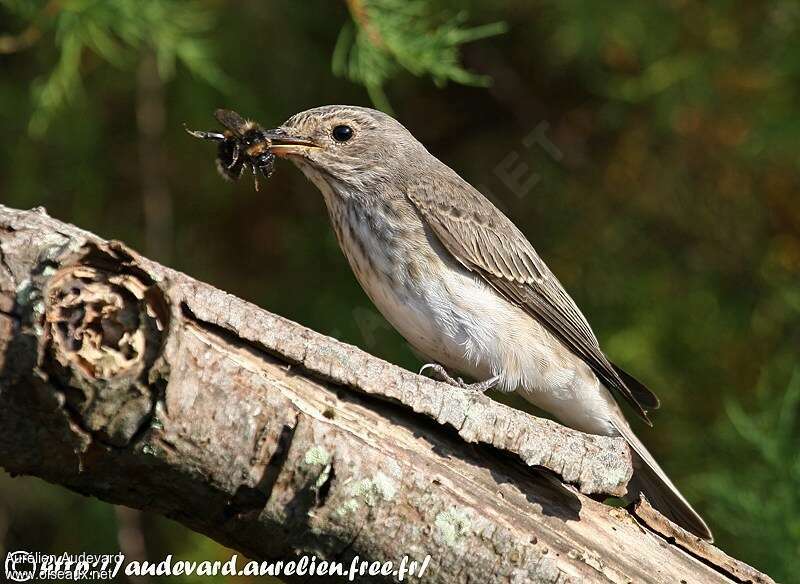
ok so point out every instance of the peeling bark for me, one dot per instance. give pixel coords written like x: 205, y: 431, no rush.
x: 131, y: 382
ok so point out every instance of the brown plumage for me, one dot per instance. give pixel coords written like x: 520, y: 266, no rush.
x: 485, y: 241
x: 462, y: 284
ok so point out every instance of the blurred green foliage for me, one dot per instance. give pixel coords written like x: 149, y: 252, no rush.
x: 389, y: 35
x: 662, y: 188
x: 115, y: 31
x: 768, y: 507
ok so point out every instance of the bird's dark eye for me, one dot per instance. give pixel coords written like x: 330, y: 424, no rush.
x: 342, y: 133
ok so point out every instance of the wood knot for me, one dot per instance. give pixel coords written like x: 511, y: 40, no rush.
x: 99, y: 323
x: 104, y: 324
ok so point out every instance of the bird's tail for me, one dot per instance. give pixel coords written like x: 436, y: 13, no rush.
x: 650, y: 479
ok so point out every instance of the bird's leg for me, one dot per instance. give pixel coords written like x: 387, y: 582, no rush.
x: 441, y: 374
x: 483, y: 386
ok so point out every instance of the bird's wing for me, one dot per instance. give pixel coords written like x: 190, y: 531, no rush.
x: 485, y: 241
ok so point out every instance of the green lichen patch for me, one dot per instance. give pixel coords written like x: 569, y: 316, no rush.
x: 349, y: 506
x: 317, y: 455
x: 372, y: 491
x: 323, y: 476
x: 453, y: 525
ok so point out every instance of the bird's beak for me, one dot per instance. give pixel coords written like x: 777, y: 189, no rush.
x: 284, y: 144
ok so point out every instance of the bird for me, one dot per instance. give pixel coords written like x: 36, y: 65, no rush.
x: 463, y: 285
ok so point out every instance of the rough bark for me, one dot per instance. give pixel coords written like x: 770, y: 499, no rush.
x: 131, y: 382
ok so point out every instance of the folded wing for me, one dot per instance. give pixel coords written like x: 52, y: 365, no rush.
x: 486, y: 242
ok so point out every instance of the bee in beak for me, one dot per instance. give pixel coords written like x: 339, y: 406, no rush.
x: 245, y: 144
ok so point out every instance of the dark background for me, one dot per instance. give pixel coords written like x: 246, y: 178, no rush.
x: 662, y: 190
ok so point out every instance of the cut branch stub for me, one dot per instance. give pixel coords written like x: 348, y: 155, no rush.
x: 103, y: 328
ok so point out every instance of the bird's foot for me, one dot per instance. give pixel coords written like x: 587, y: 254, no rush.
x: 440, y: 374
x: 483, y: 386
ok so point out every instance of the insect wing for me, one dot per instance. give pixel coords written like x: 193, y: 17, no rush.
x: 232, y: 121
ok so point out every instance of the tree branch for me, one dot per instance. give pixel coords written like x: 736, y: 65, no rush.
x: 131, y: 382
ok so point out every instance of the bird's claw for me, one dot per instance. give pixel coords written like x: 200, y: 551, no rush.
x: 440, y: 374
x: 483, y: 386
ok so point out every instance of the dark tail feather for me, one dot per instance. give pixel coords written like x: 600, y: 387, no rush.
x: 650, y: 479
x: 645, y: 398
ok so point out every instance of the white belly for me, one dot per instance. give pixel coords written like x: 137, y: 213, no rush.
x: 464, y: 324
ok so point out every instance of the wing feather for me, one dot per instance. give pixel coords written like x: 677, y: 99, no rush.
x: 485, y: 241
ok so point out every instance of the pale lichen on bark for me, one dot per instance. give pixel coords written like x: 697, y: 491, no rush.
x: 134, y: 383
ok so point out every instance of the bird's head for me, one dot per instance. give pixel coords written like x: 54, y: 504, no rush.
x: 348, y: 148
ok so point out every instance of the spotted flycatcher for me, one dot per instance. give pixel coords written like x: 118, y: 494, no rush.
x: 462, y: 284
